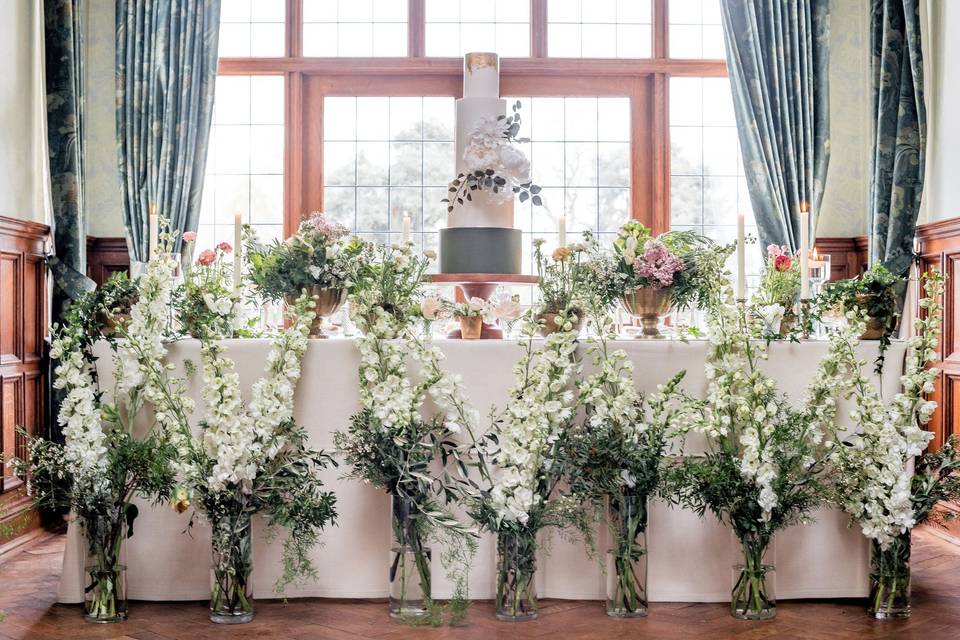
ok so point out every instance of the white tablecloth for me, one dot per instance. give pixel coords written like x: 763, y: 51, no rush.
x: 690, y: 559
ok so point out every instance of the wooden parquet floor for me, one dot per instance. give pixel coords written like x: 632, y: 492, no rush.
x: 28, y: 584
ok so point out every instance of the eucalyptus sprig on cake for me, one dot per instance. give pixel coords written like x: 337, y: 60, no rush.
x: 391, y: 445
x: 765, y: 462
x: 528, y: 453
x: 616, y: 458
x: 493, y: 164
x: 104, y: 462
x: 874, y: 482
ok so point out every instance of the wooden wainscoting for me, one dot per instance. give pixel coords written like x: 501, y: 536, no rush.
x: 848, y: 256
x: 939, y: 246
x: 23, y: 327
x: 106, y: 256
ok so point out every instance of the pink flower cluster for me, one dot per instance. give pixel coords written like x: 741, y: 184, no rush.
x: 318, y: 222
x: 776, y: 250
x: 781, y: 257
x: 657, y: 264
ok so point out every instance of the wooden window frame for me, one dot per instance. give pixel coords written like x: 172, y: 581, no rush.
x: 646, y: 81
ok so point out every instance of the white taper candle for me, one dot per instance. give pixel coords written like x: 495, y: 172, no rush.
x: 804, y: 252
x: 237, y: 251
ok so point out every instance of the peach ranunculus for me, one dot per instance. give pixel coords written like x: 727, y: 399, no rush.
x: 225, y: 247
x: 206, y: 257
x: 189, y: 236
x: 561, y: 253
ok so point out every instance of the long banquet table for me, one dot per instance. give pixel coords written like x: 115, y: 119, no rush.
x: 690, y: 559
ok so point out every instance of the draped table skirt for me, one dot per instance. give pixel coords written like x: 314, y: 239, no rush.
x: 690, y: 558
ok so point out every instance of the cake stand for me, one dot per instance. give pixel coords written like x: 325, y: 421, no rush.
x: 481, y: 285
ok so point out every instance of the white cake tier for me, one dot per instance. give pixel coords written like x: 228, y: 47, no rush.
x: 481, y: 75
x: 483, y: 211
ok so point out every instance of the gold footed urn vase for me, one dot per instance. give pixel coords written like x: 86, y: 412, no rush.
x: 328, y: 301
x: 649, y: 305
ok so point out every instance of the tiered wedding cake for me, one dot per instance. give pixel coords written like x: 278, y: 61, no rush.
x: 480, y: 237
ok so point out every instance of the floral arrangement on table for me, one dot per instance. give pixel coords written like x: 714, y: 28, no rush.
x: 873, y: 294
x: 102, y: 465
x: 527, y: 449
x: 506, y: 308
x: 250, y: 459
x: 616, y: 457
x: 389, y: 443
x: 776, y: 299
x: 472, y: 314
x: 493, y: 164
x: 563, y: 286
x: 206, y: 303
x: 649, y: 275
x: 765, y: 460
x: 874, y: 483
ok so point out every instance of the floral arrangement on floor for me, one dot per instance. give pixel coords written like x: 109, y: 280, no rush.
x: 493, y: 164
x: 102, y: 465
x: 764, y: 467
x: 206, y: 304
x: 528, y: 453
x: 251, y: 459
x: 317, y: 256
x: 874, y: 294
x: 776, y: 299
x: 874, y: 483
x: 390, y: 445
x: 616, y: 457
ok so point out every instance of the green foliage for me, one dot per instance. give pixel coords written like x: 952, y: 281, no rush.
x: 205, y: 303
x: 936, y: 479
x: 562, y: 279
x: 704, y: 276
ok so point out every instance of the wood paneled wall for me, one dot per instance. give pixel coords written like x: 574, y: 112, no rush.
x: 939, y: 247
x: 23, y: 327
x: 106, y: 256
x: 848, y: 256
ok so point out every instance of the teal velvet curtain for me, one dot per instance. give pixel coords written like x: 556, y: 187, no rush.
x: 165, y: 70
x: 63, y: 52
x: 777, y: 57
x: 899, y: 132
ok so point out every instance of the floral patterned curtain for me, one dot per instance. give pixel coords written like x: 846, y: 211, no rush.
x: 165, y: 71
x: 899, y: 132
x: 777, y: 56
x: 63, y: 52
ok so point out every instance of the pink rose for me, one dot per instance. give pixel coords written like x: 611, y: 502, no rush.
x: 782, y: 263
x: 206, y: 257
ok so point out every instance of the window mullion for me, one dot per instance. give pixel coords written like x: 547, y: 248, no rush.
x: 416, y: 28
x: 294, y: 28
x: 661, y: 29
x: 538, y: 28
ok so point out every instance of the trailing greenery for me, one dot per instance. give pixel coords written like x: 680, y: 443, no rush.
x: 936, y: 478
x: 873, y: 294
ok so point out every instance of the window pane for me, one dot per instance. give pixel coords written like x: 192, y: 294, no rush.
x: 599, y: 28
x: 707, y: 184
x: 456, y: 27
x: 244, y: 158
x: 354, y: 28
x: 252, y: 28
x: 384, y: 157
x: 696, y: 29
x: 579, y: 152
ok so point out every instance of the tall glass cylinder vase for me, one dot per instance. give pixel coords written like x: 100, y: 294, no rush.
x: 890, y: 579
x: 753, y: 596
x: 231, y: 597
x: 516, y: 570
x: 627, y: 557
x: 105, y: 597
x: 410, y: 561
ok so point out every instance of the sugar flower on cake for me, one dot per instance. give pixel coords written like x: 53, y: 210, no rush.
x: 494, y: 164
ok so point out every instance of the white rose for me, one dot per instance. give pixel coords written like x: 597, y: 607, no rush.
x: 507, y: 309
x: 515, y: 164
x: 332, y: 250
x: 431, y: 308
x: 771, y: 315
x: 477, y: 305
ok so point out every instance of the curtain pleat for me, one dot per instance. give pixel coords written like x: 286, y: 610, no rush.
x: 899, y: 132
x: 777, y: 58
x: 165, y: 73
